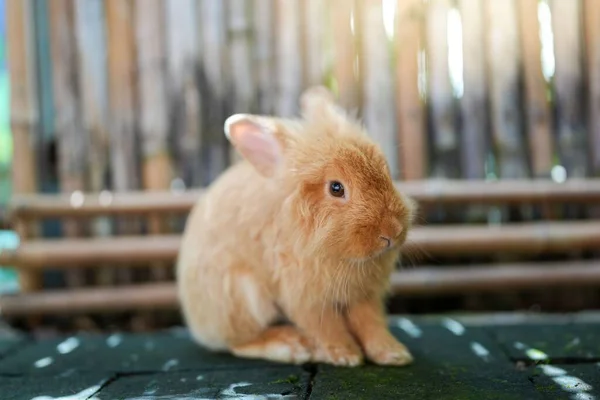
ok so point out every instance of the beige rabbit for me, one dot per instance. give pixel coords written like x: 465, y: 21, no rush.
x: 305, y: 230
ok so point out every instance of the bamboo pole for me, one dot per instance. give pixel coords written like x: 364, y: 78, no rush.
x: 156, y: 168
x: 183, y: 47
x: 289, y: 70
x: 475, y: 138
x: 93, y: 86
x: 23, y: 116
x: 412, y: 133
x: 73, y: 144
x: 346, y: 54
x: 215, y: 69
x: 568, y: 83
x: 417, y: 282
x: 264, y: 46
x: 315, y: 41
x: 592, y: 25
x: 121, y: 69
x: 378, y: 84
x: 539, y: 120
x: 503, y: 57
x: 122, y: 66
x: 445, y: 161
x: 240, y: 56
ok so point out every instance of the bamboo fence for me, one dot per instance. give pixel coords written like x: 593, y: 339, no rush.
x: 117, y: 110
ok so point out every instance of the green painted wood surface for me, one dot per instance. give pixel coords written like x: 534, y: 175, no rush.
x: 455, y: 359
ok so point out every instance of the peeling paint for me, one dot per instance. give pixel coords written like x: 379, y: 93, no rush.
x: 68, y: 345
x: 453, y: 326
x: 480, y: 351
x: 83, y: 395
x: 114, y: 340
x: 43, y: 362
x: 409, y: 327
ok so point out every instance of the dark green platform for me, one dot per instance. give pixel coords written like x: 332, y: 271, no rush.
x: 491, y: 357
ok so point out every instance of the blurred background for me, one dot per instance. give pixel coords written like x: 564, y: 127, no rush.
x: 100, y: 100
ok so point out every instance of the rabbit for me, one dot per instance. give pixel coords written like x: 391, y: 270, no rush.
x: 287, y: 256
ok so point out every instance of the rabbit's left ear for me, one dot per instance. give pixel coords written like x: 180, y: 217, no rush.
x: 258, y: 141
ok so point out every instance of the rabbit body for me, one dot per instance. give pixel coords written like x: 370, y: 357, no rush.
x: 287, y: 256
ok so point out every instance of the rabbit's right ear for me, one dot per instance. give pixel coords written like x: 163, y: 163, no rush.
x: 318, y: 103
x: 256, y: 138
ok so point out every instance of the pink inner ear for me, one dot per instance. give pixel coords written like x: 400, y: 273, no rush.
x: 257, y: 145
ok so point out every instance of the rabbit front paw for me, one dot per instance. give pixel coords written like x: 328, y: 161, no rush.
x: 346, y: 355
x: 388, y: 351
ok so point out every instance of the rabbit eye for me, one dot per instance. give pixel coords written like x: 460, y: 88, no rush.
x: 336, y: 189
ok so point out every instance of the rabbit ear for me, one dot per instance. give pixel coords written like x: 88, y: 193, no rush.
x: 256, y: 140
x: 318, y: 102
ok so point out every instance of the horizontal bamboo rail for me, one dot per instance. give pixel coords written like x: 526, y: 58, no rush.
x: 415, y: 282
x: 530, y: 238
x: 425, y: 192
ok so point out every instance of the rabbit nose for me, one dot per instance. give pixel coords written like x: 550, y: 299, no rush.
x: 388, y: 241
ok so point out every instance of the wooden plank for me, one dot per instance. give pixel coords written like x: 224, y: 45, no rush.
x: 23, y: 113
x: 183, y: 47
x: 264, y: 41
x: 424, y: 192
x: 475, y: 117
x: 568, y: 84
x: 494, y: 278
x: 415, y: 282
x: 345, y: 67
x: 447, y: 240
x: 122, y: 94
x: 288, y: 58
x: 445, y: 145
x: 73, y: 144
x: 412, y: 132
x: 592, y: 26
x: 503, y: 57
x: 539, y: 119
x: 378, y: 83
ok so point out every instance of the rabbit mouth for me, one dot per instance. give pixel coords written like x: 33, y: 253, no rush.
x: 373, y: 256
